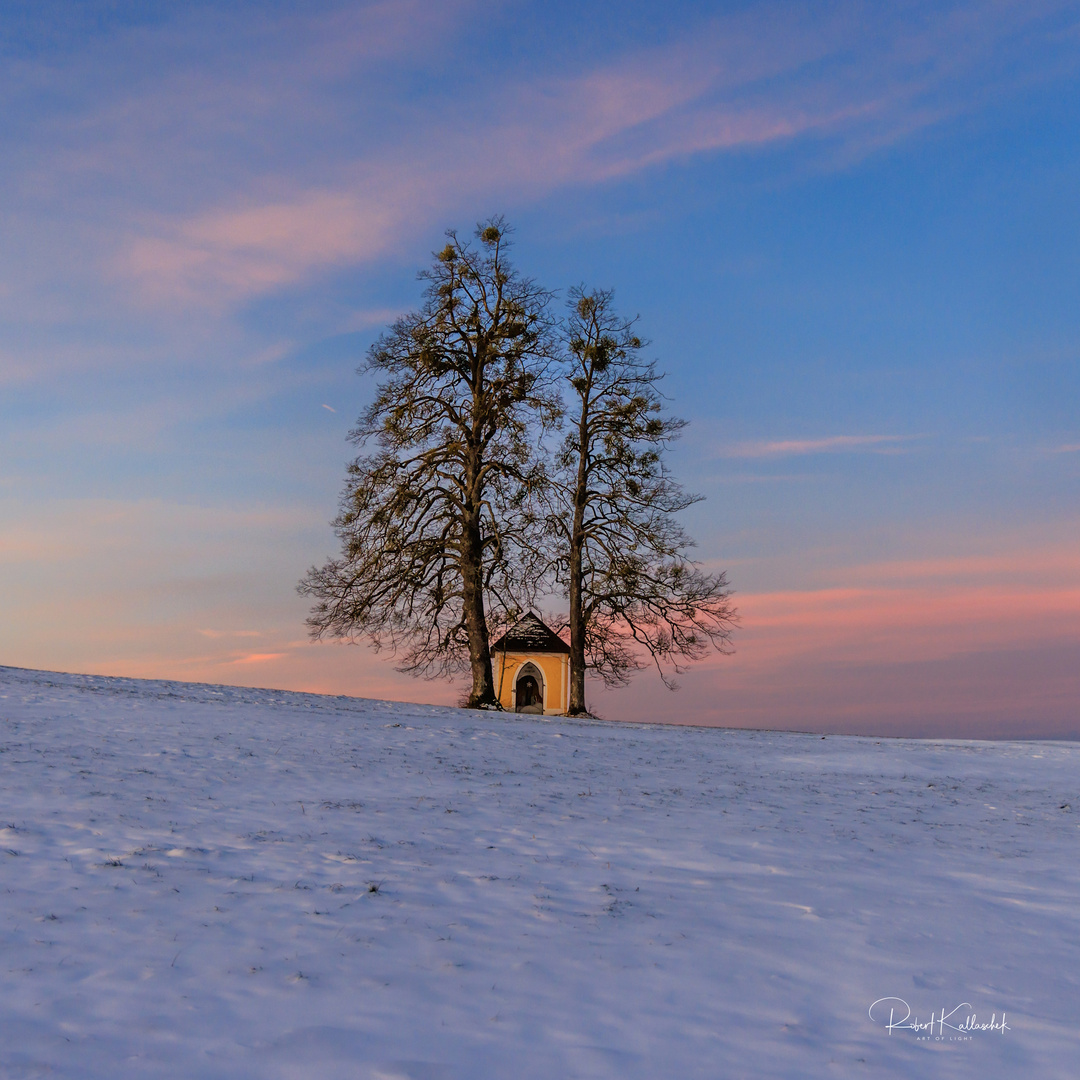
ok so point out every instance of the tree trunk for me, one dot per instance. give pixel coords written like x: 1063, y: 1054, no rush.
x: 577, y: 638
x: 472, y: 564
x: 472, y: 581
x: 577, y: 705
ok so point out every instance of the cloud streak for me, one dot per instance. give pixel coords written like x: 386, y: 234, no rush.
x: 257, y: 658
x: 829, y: 444
x: 856, y: 74
x: 974, y: 646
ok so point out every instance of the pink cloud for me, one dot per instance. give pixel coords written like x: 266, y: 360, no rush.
x: 736, y: 82
x: 986, y: 645
x: 1046, y: 566
x: 232, y: 253
x: 828, y: 444
x: 895, y: 625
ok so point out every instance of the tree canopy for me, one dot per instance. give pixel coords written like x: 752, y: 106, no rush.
x: 623, y: 557
x: 437, y: 525
x: 456, y: 516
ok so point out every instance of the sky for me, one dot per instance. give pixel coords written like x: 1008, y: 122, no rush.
x: 851, y: 232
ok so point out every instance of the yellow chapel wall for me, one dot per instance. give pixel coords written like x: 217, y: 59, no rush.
x: 555, y: 668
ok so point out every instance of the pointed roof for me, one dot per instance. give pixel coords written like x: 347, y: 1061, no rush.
x: 529, y: 634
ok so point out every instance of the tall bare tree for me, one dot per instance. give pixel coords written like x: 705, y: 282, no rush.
x: 622, y: 555
x: 435, y: 524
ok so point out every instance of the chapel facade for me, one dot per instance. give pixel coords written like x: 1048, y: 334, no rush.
x: 531, y: 665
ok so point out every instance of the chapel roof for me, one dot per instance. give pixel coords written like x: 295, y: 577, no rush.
x: 529, y: 634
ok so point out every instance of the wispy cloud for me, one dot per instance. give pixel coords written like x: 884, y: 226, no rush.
x: 856, y: 76
x: 365, y: 319
x: 15, y: 370
x: 257, y: 658
x: 1033, y: 566
x: 973, y: 645
x: 829, y: 444
x: 227, y: 254
x: 848, y: 626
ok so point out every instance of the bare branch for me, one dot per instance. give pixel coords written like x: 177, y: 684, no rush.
x: 437, y: 525
x: 633, y: 590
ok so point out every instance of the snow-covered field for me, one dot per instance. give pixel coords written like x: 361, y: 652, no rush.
x: 210, y: 882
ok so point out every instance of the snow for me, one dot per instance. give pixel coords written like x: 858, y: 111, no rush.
x: 206, y: 881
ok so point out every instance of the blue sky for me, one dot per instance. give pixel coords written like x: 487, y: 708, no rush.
x: 851, y: 231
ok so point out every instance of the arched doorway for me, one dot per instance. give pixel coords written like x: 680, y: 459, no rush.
x: 529, y: 690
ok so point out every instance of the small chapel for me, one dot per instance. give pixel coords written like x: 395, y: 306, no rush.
x: 532, y: 669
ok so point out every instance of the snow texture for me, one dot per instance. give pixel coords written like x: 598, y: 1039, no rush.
x: 206, y: 881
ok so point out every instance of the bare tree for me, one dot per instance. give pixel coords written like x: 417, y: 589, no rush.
x: 436, y: 524
x: 622, y: 556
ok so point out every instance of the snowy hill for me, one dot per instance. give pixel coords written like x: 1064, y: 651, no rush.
x: 204, y: 881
